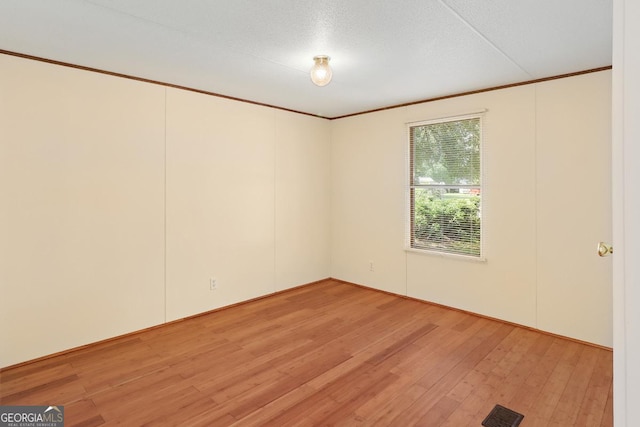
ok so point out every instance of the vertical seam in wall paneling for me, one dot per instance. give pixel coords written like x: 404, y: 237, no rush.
x: 405, y: 208
x: 274, y: 284
x: 535, y: 202
x: 165, y: 205
x: 330, y: 190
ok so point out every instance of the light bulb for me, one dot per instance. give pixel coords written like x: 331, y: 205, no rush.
x: 321, y: 71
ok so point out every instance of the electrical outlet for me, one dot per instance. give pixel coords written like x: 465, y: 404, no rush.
x: 213, y: 284
x: 370, y: 265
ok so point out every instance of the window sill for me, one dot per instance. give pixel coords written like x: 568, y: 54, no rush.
x: 446, y: 255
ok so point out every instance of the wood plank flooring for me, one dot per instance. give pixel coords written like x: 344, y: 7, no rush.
x: 324, y: 354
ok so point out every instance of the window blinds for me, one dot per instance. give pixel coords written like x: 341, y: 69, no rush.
x: 445, y: 188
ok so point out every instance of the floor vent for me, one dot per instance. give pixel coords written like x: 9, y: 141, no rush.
x: 502, y: 417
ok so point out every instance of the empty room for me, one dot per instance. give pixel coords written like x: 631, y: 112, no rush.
x: 279, y: 213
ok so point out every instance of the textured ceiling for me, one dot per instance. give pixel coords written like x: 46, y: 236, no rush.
x: 383, y: 53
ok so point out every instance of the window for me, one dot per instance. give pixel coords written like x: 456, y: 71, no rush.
x: 445, y: 188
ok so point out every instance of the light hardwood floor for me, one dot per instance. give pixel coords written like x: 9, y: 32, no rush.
x: 325, y: 354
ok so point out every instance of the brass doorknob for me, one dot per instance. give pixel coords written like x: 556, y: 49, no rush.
x: 604, y: 249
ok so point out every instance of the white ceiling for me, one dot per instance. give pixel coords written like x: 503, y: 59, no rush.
x: 384, y: 53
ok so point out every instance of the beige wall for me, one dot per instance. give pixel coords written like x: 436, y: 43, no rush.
x: 247, y: 201
x: 81, y: 217
x: 367, y: 200
x: 121, y: 199
x: 546, y: 204
x: 573, y: 170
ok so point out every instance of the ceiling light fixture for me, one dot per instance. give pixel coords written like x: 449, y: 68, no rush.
x: 321, y: 71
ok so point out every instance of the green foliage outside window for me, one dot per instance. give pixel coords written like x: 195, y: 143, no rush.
x: 447, y: 152
x: 447, y: 224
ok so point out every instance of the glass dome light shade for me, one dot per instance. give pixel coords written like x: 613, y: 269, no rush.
x: 321, y: 71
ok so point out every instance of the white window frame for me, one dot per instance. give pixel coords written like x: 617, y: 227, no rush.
x: 410, y: 186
